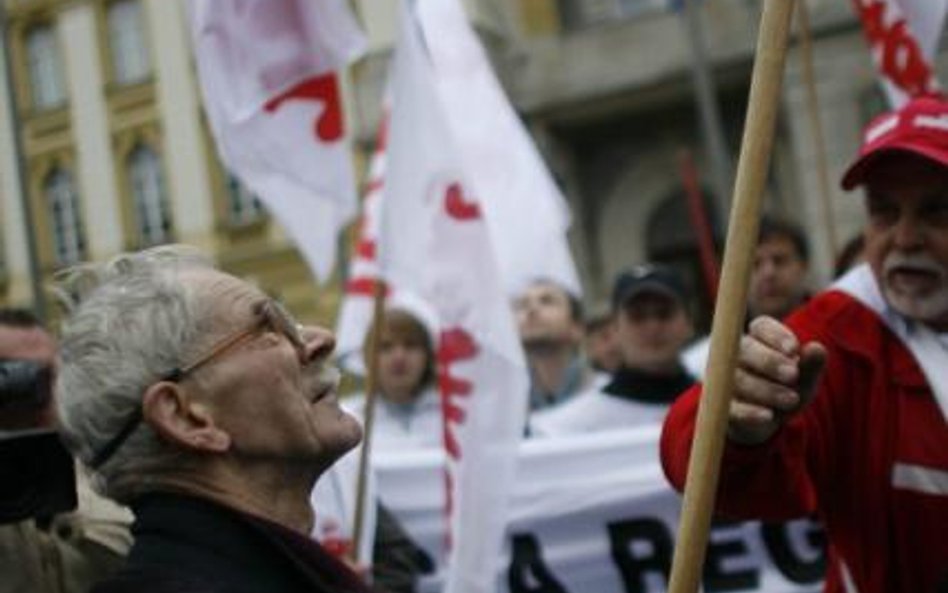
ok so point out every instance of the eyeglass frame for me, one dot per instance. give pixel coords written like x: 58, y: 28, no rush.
x: 269, y: 312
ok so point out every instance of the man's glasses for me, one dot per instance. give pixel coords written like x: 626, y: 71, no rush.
x: 269, y: 316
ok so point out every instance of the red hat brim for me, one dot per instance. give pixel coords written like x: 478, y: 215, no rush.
x: 856, y: 174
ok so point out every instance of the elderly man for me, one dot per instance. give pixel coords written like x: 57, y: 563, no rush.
x: 200, y: 403
x: 843, y: 411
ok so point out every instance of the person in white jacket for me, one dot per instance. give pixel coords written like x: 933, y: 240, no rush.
x: 407, y: 409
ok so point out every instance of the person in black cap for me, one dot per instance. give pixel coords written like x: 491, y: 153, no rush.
x: 653, y: 324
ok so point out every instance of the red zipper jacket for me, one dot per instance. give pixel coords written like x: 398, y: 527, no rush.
x: 868, y: 456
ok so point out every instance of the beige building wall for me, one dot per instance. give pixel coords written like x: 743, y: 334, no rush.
x: 15, y: 265
x: 88, y: 110
x: 179, y: 109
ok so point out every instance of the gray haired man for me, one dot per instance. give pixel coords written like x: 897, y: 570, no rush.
x: 200, y: 403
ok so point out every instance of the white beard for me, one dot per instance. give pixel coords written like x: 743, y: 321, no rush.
x: 926, y: 306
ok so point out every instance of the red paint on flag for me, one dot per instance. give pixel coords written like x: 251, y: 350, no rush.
x: 455, y: 345
x: 366, y: 249
x: 899, y: 56
x: 457, y: 204
x: 374, y: 186
x: 363, y: 286
x: 324, y: 89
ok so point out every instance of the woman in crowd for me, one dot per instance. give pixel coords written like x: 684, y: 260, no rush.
x: 407, y: 408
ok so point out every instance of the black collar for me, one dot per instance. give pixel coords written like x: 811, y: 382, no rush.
x: 649, y: 387
x: 209, y: 545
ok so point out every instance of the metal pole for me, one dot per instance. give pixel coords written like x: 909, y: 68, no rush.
x: 706, y: 98
x: 36, y: 277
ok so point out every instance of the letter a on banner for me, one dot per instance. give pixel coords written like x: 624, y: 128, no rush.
x: 434, y: 244
x: 269, y: 76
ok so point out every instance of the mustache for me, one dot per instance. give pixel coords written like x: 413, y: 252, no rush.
x: 919, y: 261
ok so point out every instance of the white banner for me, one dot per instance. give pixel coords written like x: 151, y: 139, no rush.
x: 594, y: 514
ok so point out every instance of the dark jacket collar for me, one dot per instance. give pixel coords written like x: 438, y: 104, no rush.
x: 648, y: 387
x: 208, y: 547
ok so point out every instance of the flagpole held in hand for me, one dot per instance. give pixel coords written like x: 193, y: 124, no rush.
x: 703, y: 469
x: 368, y: 415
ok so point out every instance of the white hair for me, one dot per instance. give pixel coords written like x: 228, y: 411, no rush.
x: 133, y: 320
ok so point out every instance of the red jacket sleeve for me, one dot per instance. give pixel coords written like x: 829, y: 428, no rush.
x: 768, y: 481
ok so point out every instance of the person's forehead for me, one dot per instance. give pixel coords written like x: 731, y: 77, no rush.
x: 26, y: 344
x: 547, y: 290
x: 777, y: 244
x: 905, y: 170
x: 230, y: 296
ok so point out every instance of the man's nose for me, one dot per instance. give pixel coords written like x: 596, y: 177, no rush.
x: 318, y: 343
x: 908, y: 233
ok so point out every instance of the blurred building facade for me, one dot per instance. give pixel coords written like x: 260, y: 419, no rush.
x: 117, y: 153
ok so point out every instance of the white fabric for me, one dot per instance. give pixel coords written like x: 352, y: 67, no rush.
x: 918, y: 478
x: 333, y: 500
x: 595, y: 411
x: 928, y: 350
x: 695, y: 356
x: 903, y: 37
x: 355, y: 314
x: 400, y: 427
x: 575, y: 497
x: 287, y: 146
x: 435, y: 245
x: 527, y: 214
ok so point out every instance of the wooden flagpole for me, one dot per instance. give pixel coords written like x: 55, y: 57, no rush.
x: 371, y: 382
x: 816, y: 125
x: 704, y: 467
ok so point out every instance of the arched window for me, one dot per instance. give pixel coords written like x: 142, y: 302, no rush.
x: 46, y: 81
x: 130, y: 60
x: 62, y: 200
x: 243, y: 207
x: 152, y: 215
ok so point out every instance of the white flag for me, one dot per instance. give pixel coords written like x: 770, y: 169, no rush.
x: 355, y: 314
x: 903, y: 36
x: 524, y: 209
x: 434, y: 244
x: 268, y: 73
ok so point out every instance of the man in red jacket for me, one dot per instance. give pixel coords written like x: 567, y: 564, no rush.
x: 843, y: 410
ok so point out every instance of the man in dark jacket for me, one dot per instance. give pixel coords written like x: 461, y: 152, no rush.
x: 200, y: 403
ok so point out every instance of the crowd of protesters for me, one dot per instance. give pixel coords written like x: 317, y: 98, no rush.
x: 196, y: 404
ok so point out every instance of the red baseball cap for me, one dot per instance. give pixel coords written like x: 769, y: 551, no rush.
x: 919, y: 127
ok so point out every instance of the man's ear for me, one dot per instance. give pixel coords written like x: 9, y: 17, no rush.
x: 168, y: 411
